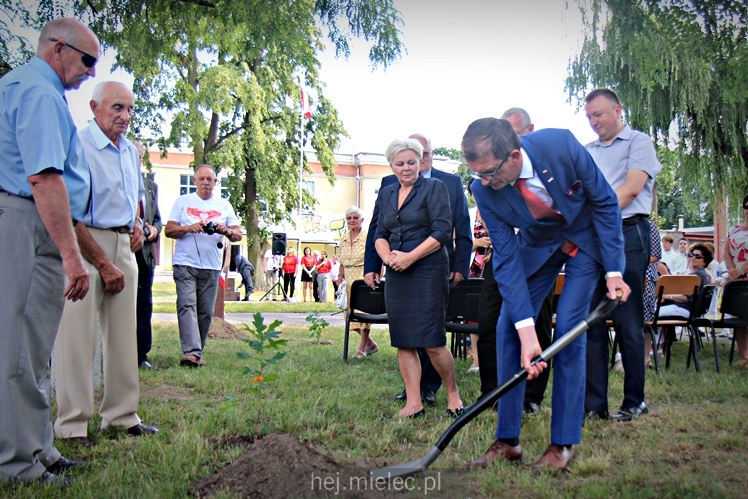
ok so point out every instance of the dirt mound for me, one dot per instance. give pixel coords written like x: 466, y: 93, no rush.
x: 222, y: 330
x: 281, y: 466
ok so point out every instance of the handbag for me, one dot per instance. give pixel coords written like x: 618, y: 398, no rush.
x: 341, y: 297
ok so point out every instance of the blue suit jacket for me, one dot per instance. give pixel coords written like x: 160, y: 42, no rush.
x: 588, y: 205
x: 458, y: 251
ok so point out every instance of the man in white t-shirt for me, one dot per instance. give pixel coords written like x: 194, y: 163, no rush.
x: 199, y: 222
x: 675, y: 261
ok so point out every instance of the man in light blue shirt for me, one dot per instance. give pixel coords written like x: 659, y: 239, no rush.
x: 44, y: 183
x: 628, y: 161
x: 109, y: 235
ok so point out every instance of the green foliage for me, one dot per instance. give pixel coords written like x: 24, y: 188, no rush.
x: 223, y: 77
x: 679, y: 68
x: 266, y: 345
x: 318, y: 325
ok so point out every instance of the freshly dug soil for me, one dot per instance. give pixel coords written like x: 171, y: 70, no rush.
x: 281, y: 466
x: 222, y: 330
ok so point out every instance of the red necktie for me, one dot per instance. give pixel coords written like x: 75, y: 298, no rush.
x: 541, y: 211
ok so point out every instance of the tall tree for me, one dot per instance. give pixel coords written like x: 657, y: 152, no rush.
x: 223, y: 78
x: 679, y: 67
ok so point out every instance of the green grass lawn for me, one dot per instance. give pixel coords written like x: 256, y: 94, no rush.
x: 691, y: 445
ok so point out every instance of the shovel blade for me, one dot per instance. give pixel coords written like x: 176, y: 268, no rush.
x: 406, y: 469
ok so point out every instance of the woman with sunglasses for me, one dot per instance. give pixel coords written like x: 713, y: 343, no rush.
x: 699, y: 256
x: 736, y: 261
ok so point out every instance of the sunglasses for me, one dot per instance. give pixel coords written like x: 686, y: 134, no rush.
x: 87, y: 59
x: 696, y: 256
x: 492, y: 173
x: 745, y: 206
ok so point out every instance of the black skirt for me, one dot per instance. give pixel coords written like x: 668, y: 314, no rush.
x: 416, y: 301
x: 305, y: 277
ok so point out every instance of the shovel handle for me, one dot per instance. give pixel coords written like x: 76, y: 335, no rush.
x: 603, y: 309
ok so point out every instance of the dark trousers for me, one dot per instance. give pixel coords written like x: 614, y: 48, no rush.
x: 249, y: 286
x: 289, y: 283
x: 490, y: 306
x: 144, y: 310
x: 315, y: 287
x: 628, y: 321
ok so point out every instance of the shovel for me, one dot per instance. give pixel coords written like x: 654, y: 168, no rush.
x: 413, y: 467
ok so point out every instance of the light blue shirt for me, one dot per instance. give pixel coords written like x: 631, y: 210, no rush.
x: 115, y: 179
x: 630, y: 150
x: 38, y: 133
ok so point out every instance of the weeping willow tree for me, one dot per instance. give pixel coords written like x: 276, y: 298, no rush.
x: 680, y: 68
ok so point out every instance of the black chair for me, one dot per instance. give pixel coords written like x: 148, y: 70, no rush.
x: 735, y: 303
x: 367, y: 306
x: 700, y: 308
x: 462, y: 314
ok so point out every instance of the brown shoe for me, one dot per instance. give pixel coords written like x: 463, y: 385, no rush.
x: 556, y: 458
x: 191, y: 360
x: 498, y: 450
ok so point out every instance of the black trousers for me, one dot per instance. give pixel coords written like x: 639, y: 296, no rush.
x: 289, y: 282
x: 144, y: 310
x: 491, y: 302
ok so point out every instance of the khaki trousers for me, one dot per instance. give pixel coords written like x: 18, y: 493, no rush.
x: 76, y: 345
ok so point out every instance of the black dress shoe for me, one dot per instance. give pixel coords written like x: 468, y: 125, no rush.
x: 147, y: 365
x: 531, y: 408
x: 401, y: 396
x: 428, y: 397
x: 596, y: 415
x: 63, y: 464
x: 48, y: 478
x: 626, y: 415
x: 455, y: 413
x: 142, y: 429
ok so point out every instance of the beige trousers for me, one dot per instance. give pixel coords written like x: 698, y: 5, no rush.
x: 76, y: 345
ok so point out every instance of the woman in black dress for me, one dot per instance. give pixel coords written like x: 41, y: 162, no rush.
x: 413, y: 228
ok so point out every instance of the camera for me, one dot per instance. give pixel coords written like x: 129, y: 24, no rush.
x: 146, y: 232
x: 210, y: 229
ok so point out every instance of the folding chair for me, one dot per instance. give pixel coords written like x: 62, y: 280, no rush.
x: 673, y: 285
x: 462, y: 313
x: 367, y: 306
x: 734, y: 303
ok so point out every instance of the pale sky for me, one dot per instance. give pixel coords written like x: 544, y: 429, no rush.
x: 465, y: 60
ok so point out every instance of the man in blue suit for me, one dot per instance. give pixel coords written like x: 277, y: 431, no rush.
x: 459, y: 253
x: 578, y: 214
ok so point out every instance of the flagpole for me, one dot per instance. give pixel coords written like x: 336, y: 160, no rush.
x: 301, y: 173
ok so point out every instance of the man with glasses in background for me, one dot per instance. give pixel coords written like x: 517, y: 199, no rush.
x: 548, y: 186
x: 44, y: 188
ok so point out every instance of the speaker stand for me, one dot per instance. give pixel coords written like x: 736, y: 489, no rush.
x: 273, y: 290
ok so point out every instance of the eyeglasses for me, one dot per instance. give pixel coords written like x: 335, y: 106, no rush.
x: 87, y: 59
x: 490, y: 174
x: 696, y: 256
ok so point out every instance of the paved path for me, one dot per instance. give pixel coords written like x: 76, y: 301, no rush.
x: 286, y: 318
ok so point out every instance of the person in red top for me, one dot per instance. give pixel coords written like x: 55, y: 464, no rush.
x: 290, y: 268
x: 323, y: 272
x: 307, y: 267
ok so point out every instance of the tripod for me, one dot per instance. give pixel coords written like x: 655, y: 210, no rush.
x: 275, y: 287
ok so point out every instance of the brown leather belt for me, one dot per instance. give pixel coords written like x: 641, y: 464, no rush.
x: 124, y: 229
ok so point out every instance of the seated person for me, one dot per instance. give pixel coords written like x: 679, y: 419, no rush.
x: 699, y: 257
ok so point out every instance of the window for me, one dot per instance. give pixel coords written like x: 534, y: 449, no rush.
x: 309, y: 187
x: 185, y: 185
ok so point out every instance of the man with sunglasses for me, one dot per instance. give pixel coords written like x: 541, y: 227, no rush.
x: 546, y: 185
x: 44, y: 188
x: 628, y: 161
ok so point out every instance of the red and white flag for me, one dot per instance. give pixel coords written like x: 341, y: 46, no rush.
x: 305, y: 109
